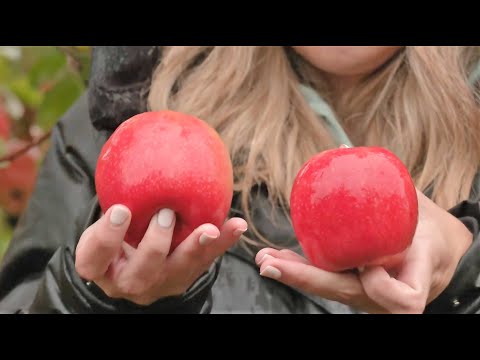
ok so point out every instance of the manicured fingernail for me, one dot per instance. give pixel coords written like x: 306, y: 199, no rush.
x: 239, y: 232
x: 271, y: 272
x: 344, y: 146
x: 165, y: 218
x: 206, y: 239
x: 265, y: 257
x: 118, y: 215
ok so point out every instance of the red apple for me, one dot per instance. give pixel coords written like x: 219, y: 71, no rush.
x: 166, y: 159
x: 4, y: 124
x: 17, y: 179
x: 354, y: 207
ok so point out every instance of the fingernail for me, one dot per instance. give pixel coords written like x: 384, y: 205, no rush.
x: 265, y: 257
x: 344, y: 146
x: 239, y: 232
x: 119, y: 215
x: 165, y: 218
x: 205, y: 239
x: 271, y: 272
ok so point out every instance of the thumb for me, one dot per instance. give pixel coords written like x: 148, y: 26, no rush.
x: 390, y: 293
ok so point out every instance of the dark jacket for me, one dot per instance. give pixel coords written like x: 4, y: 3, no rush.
x: 38, y: 275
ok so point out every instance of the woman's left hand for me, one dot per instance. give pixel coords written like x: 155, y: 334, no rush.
x: 438, y: 245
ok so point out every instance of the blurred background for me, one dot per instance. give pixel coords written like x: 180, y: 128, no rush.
x: 37, y: 85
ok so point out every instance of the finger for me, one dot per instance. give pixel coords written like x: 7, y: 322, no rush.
x: 145, y: 264
x: 345, y: 288
x: 284, y: 254
x: 128, y: 250
x: 206, y: 243
x: 392, y: 294
x: 99, y: 245
x: 230, y: 233
x: 197, y: 241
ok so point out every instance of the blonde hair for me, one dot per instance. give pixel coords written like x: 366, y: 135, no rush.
x: 419, y: 105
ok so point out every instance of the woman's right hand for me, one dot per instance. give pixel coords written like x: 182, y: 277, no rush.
x: 147, y: 273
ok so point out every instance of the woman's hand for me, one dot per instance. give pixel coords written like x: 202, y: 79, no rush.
x: 147, y: 273
x: 438, y: 245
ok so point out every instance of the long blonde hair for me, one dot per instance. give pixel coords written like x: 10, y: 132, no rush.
x: 419, y: 105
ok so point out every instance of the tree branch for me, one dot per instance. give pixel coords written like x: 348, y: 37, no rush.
x: 17, y: 153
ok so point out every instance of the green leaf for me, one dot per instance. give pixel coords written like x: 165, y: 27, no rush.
x: 57, y: 101
x: 82, y: 56
x: 32, y: 54
x: 45, y: 68
x: 26, y: 92
x: 6, y: 70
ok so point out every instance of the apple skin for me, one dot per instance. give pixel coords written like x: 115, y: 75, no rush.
x: 354, y: 207
x: 166, y: 159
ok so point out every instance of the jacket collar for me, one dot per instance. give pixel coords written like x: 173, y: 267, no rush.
x: 119, y: 83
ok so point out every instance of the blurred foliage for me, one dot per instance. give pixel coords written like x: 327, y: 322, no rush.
x: 37, y: 86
